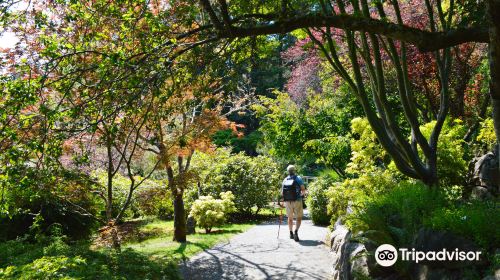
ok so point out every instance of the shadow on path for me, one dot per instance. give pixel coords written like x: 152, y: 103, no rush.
x: 259, y: 254
x: 226, y: 265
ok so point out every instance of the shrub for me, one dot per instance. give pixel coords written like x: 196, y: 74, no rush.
x: 395, y: 216
x: 477, y: 220
x: 367, y: 153
x: 367, y: 169
x: 154, y: 200
x: 209, y: 212
x: 486, y: 139
x: 152, y: 197
x: 355, y: 192
x: 53, y: 259
x: 39, y: 193
x: 254, y: 181
x: 452, y: 166
x: 317, y: 200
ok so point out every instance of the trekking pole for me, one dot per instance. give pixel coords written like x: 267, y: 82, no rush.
x: 281, y: 218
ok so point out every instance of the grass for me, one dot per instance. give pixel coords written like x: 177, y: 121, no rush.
x: 162, y: 247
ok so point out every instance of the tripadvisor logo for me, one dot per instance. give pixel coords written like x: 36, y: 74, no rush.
x: 387, y: 255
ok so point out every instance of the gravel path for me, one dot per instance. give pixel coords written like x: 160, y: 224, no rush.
x: 258, y: 254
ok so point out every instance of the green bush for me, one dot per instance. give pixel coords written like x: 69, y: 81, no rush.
x: 451, y: 163
x: 51, y: 258
x: 395, y: 216
x: 154, y: 200
x: 486, y: 138
x: 254, y: 181
x: 29, y: 192
x: 369, y: 171
x: 209, y: 212
x: 317, y: 200
x: 478, y: 221
x: 152, y: 197
x: 357, y: 192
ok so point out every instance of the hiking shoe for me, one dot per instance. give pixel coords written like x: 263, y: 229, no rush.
x: 296, y: 237
x: 291, y: 235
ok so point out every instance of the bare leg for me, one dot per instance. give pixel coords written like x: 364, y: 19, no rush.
x: 297, y: 225
x: 290, y: 223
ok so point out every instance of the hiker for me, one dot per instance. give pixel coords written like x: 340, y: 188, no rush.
x: 292, y: 191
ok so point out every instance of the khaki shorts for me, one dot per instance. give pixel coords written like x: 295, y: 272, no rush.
x: 294, y: 209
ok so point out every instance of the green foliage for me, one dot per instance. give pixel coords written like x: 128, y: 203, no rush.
x: 246, y: 143
x: 367, y: 168
x: 451, y: 163
x: 486, y: 139
x: 154, y: 200
x: 53, y: 259
x: 367, y: 153
x: 151, y: 198
x: 317, y: 199
x: 209, y: 212
x: 48, y: 213
x: 355, y: 192
x: 49, y: 192
x: 476, y: 220
x: 254, y: 181
x: 395, y: 216
x: 45, y: 268
x: 316, y: 134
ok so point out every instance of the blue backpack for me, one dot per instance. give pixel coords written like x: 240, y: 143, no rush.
x: 290, y: 188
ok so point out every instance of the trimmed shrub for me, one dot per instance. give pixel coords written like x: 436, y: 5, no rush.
x: 209, y: 212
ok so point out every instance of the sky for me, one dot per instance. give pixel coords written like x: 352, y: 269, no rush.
x: 8, y: 40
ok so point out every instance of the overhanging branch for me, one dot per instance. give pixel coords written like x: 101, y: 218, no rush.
x: 422, y: 39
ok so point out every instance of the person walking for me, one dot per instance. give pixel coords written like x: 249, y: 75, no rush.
x: 292, y: 191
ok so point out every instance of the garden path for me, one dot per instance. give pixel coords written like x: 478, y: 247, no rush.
x: 259, y: 254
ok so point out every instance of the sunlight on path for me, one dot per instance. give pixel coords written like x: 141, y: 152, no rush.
x: 258, y: 254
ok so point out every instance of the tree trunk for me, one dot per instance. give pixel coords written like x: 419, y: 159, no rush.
x: 114, y: 237
x: 109, y: 201
x: 494, y: 48
x: 180, y: 229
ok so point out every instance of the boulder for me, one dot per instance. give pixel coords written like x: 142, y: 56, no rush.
x: 434, y: 240
x: 338, y: 240
x: 350, y: 259
x: 480, y: 193
x: 486, y: 174
x: 358, y: 258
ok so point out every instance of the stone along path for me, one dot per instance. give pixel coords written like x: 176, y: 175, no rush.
x: 259, y: 254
